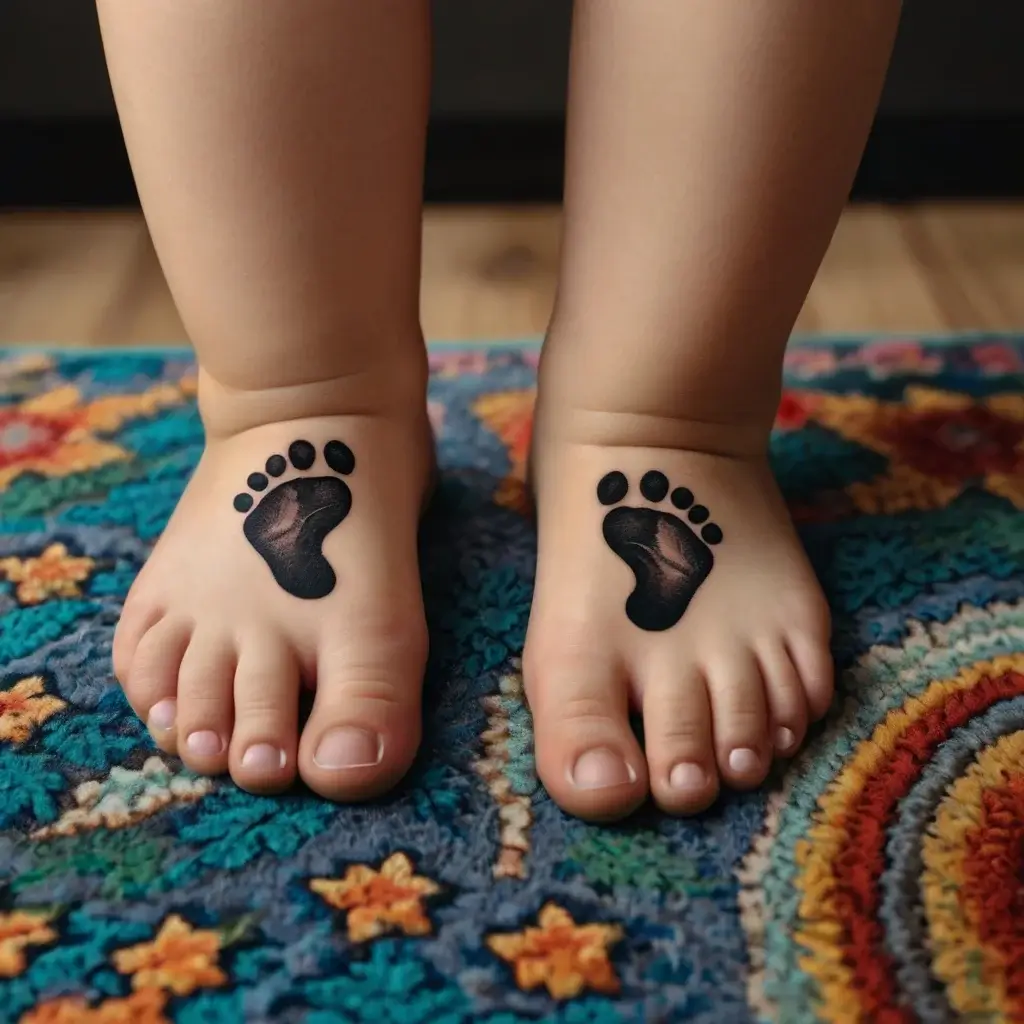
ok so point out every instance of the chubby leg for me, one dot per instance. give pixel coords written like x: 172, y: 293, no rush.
x: 278, y: 150
x: 711, y: 147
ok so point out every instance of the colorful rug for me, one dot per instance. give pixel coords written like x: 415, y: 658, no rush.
x: 878, y: 879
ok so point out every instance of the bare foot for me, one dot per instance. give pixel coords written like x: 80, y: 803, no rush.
x: 291, y: 559
x: 672, y: 582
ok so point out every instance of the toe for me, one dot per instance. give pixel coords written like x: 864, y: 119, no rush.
x: 587, y: 756
x: 151, y: 684
x: 679, y: 741
x: 364, y: 729
x: 740, y: 717
x: 787, y: 702
x: 205, y: 702
x: 265, y: 738
x: 812, y: 658
x: 136, y: 621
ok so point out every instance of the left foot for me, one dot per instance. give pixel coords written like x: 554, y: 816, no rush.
x: 672, y: 582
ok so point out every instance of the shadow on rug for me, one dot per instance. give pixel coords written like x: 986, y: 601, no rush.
x: 878, y: 880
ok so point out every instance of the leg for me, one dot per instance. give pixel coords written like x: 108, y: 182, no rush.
x: 710, y: 150
x: 278, y: 150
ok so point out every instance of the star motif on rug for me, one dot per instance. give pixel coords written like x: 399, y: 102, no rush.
x: 566, y: 957
x: 24, y: 707
x: 181, y: 959
x: 938, y: 445
x: 59, y: 433
x: 18, y: 930
x: 380, y: 900
x: 54, y: 573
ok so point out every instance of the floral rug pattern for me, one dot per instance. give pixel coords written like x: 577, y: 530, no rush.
x: 877, y: 878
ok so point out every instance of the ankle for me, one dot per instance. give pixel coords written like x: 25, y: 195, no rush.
x: 558, y: 422
x: 394, y: 388
x: 635, y: 393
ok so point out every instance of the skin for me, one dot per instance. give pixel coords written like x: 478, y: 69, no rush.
x: 285, y: 209
x: 710, y: 149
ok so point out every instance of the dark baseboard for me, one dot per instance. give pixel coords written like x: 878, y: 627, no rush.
x: 82, y: 163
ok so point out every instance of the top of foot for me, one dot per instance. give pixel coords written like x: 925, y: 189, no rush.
x: 291, y: 521
x: 284, y: 565
x: 672, y: 581
x: 669, y: 560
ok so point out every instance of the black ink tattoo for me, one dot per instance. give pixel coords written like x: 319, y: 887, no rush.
x: 667, y: 558
x: 612, y: 488
x: 301, y: 454
x: 289, y: 525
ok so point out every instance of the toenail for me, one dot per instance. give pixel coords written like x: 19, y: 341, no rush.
x: 162, y: 715
x: 204, y: 744
x: 600, y: 769
x: 784, y: 739
x: 263, y: 757
x: 349, y: 747
x: 744, y: 761
x: 687, y: 775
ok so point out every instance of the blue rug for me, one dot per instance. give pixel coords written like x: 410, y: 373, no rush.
x: 876, y: 879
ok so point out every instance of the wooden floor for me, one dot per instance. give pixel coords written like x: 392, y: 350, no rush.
x: 490, y: 272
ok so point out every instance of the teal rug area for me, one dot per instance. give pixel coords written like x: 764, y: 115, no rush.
x: 876, y: 878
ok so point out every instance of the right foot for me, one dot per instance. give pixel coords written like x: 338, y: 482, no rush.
x: 672, y: 582
x: 291, y: 559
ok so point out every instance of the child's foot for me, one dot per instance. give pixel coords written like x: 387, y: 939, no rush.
x: 290, y: 560
x: 671, y: 582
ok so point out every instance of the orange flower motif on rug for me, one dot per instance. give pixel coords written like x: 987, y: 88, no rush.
x: 566, y: 957
x: 378, y: 901
x: 938, y: 444
x: 54, y: 573
x: 25, y: 706
x: 510, y: 415
x: 180, y: 959
x: 143, y: 1007
x: 57, y: 434
x: 18, y: 930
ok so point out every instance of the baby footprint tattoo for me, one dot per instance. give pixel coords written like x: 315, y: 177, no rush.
x: 289, y: 525
x: 667, y: 557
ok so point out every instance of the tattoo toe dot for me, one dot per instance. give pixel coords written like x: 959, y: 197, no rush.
x: 654, y: 485
x: 257, y: 482
x: 276, y: 465
x: 612, y: 488
x: 301, y: 454
x: 243, y: 502
x: 698, y: 514
x: 712, y: 534
x: 682, y: 497
x: 339, y: 457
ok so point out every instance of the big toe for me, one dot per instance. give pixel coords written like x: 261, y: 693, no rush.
x: 587, y: 755
x: 364, y: 729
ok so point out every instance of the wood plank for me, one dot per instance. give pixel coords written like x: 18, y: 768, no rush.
x: 975, y: 260
x: 870, y: 280
x: 60, y: 274
x: 489, y: 272
x: 93, y: 278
